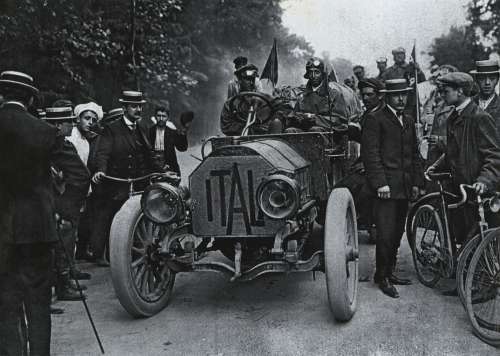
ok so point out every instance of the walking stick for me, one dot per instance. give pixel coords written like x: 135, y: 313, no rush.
x: 72, y: 268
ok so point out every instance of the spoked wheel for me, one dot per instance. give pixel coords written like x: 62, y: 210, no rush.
x: 463, y: 264
x: 341, y: 253
x: 142, y: 280
x: 482, y: 289
x: 427, y: 235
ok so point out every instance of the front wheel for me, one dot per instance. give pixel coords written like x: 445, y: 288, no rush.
x: 482, y: 289
x: 142, y: 280
x: 463, y: 264
x: 427, y: 236
x: 341, y: 253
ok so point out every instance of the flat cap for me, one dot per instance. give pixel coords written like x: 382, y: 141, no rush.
x: 371, y: 83
x: 398, y: 50
x: 456, y: 79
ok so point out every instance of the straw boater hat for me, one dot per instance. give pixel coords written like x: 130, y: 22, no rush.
x: 396, y: 86
x: 62, y: 114
x: 132, y: 97
x: 112, y: 115
x: 20, y: 80
x: 486, y: 67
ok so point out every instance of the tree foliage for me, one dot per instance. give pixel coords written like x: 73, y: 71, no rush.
x: 180, y: 50
x: 460, y: 47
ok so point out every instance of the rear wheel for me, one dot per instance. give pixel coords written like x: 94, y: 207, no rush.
x: 482, y: 289
x: 341, y: 254
x: 427, y: 235
x: 142, y: 280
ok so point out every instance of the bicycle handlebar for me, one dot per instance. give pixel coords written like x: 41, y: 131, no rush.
x: 133, y: 180
x: 463, y: 194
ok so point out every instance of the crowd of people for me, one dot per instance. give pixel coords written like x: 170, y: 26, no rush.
x: 57, y: 201
x: 56, y: 189
x: 458, y: 119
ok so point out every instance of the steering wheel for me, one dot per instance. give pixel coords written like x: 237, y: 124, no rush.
x: 241, y: 104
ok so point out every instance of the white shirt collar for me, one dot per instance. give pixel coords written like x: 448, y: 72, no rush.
x: 462, y: 106
x: 394, y: 111
x: 128, y: 122
x: 483, y: 104
x: 314, y: 89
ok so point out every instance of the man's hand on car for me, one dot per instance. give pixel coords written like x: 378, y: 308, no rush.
x: 97, y: 178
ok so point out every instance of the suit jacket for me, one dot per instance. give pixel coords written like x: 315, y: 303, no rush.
x: 472, y: 147
x: 172, y: 141
x: 389, y: 153
x: 26, y: 192
x: 493, y: 109
x: 122, y: 153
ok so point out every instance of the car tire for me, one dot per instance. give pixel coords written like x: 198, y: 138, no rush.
x: 341, y: 254
x: 127, y: 284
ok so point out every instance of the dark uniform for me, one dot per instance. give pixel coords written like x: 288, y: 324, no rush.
x: 390, y: 157
x: 493, y: 109
x: 27, y: 229
x: 125, y: 153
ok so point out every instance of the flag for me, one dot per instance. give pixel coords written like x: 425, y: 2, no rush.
x: 270, y: 71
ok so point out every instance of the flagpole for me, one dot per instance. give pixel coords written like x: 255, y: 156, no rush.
x: 417, y: 107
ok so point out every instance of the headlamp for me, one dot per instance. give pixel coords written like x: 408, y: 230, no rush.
x: 278, y: 196
x: 162, y: 203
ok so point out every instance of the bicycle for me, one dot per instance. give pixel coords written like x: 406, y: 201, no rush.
x: 435, y: 253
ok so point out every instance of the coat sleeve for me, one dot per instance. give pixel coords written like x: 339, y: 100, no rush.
x: 103, y: 151
x: 489, y: 151
x: 370, y: 153
x: 228, y: 125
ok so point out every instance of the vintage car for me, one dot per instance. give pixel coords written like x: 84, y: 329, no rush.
x: 253, y: 198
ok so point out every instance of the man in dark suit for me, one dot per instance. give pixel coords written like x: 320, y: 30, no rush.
x: 165, y: 138
x: 472, y: 147
x: 486, y: 75
x: 27, y: 219
x: 393, y: 169
x: 124, y: 151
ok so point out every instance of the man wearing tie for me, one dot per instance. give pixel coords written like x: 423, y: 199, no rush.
x: 125, y: 152
x: 393, y: 170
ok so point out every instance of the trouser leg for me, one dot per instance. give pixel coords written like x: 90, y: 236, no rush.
x: 103, y: 220
x: 401, y: 210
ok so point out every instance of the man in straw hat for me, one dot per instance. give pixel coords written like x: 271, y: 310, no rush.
x: 472, y: 147
x: 72, y: 181
x: 393, y: 169
x: 486, y: 76
x: 124, y: 152
x: 27, y: 219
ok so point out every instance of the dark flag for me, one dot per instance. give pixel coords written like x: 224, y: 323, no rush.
x: 270, y: 71
x: 415, y: 74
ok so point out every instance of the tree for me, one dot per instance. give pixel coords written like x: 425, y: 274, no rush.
x: 459, y: 47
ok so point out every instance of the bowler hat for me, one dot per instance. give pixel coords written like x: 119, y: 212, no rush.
x: 314, y: 63
x: 113, y: 114
x: 486, y: 67
x: 456, y: 80
x: 59, y: 114
x: 398, y: 50
x: 371, y: 83
x: 132, y: 97
x: 248, y: 70
x: 396, y: 86
x: 16, y: 79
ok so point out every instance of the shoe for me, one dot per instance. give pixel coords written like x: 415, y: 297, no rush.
x: 56, y: 311
x: 101, y: 262
x: 388, y: 289
x: 72, y: 285
x: 69, y: 294
x: 399, y: 281
x: 450, y: 293
x: 77, y: 274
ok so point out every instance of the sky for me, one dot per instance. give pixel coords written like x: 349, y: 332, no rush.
x: 363, y: 30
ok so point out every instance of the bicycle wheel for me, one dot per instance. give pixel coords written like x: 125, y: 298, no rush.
x: 427, y: 234
x: 482, y: 289
x: 463, y: 265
